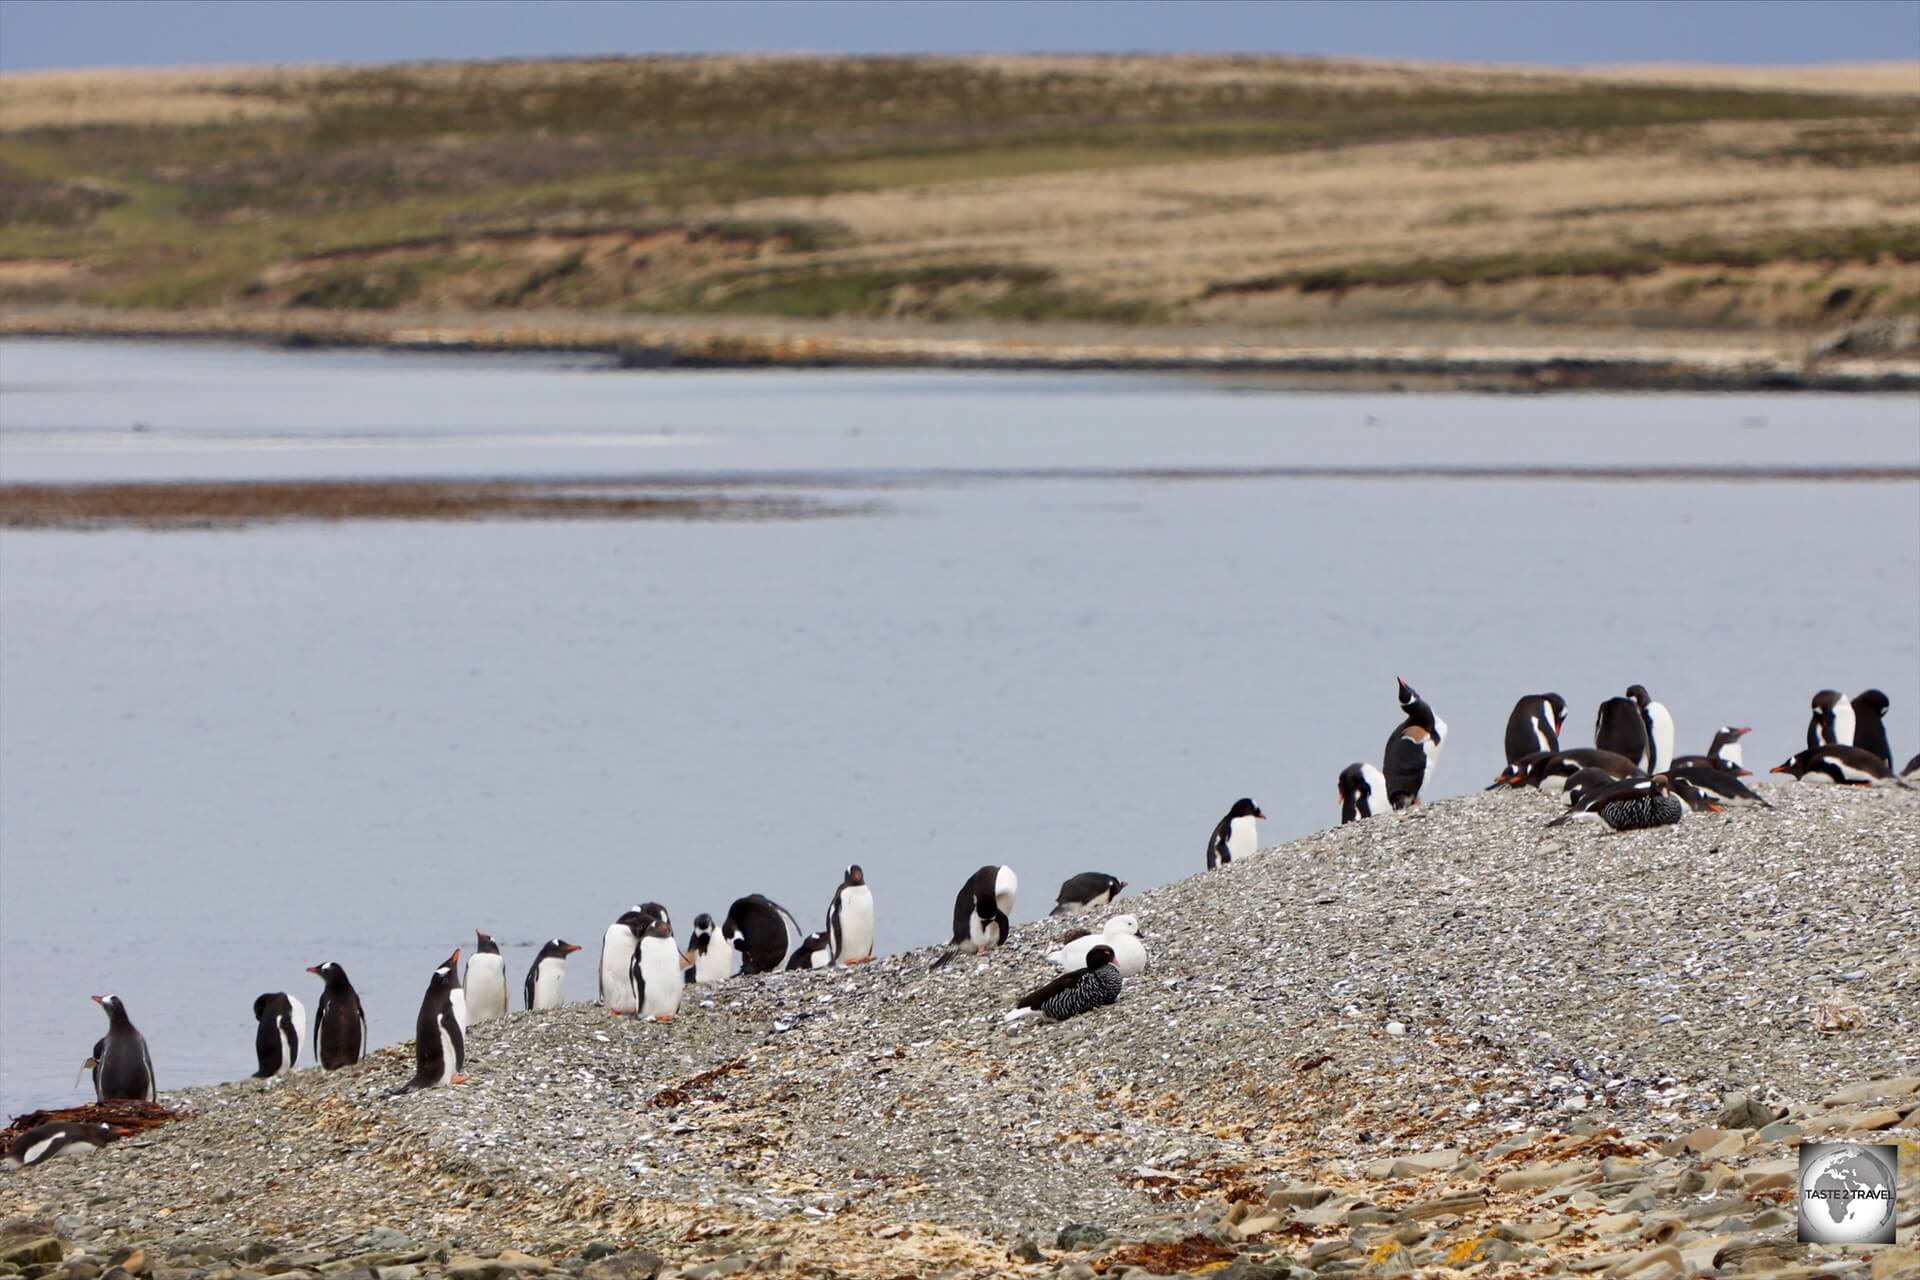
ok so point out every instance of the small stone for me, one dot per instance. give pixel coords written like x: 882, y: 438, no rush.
x: 1546, y: 1173
x: 597, y: 1250
x: 634, y: 1264
x: 1079, y: 1235
x: 1026, y: 1251
x: 731, y: 1265
x: 468, y: 1267
x: 1873, y: 1091
x: 27, y: 1252
x: 386, y: 1238
x: 1297, y: 1195
x: 1425, y: 1162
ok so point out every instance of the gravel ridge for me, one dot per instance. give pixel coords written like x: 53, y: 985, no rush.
x: 1454, y: 979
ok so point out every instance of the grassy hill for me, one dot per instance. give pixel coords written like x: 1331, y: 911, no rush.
x: 1193, y: 193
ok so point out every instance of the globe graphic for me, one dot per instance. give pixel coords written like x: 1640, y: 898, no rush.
x: 1832, y: 1199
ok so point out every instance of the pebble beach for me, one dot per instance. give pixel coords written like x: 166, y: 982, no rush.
x: 1442, y: 1042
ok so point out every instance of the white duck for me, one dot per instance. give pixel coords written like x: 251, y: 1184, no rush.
x: 1122, y: 933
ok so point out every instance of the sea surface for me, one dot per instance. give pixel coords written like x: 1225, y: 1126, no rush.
x: 1085, y: 613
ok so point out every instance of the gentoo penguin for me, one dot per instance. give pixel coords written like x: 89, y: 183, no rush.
x: 617, y: 948
x: 1363, y: 792
x: 850, y: 920
x: 712, y: 953
x: 657, y: 978
x: 1698, y: 799
x: 1620, y: 728
x: 1234, y: 836
x: 1629, y: 805
x: 814, y: 952
x: 339, y: 1024
x: 1848, y: 766
x: 281, y: 1020
x: 485, y: 986
x: 1832, y: 722
x: 1550, y: 770
x: 122, y: 1066
x: 1412, y: 749
x: 980, y: 912
x: 1078, y: 992
x: 439, y: 1043
x: 547, y: 979
x: 1869, y: 724
x: 1719, y: 782
x: 1120, y: 935
x: 1659, y: 725
x: 1534, y: 724
x: 1723, y: 755
x: 763, y: 932
x: 1586, y: 782
x: 44, y: 1142
x: 1088, y: 889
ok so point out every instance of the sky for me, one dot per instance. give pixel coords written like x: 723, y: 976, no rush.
x: 85, y: 33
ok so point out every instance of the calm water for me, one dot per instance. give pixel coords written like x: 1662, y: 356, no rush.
x: 225, y: 756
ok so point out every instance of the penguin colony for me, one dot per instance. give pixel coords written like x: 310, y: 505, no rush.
x: 1628, y: 780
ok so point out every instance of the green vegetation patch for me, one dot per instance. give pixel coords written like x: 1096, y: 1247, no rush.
x: 992, y: 290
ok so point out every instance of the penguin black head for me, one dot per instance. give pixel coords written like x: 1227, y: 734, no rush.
x: 986, y: 906
x: 660, y: 928
x: 1558, y: 706
x: 328, y: 973
x: 1639, y: 694
x: 855, y: 875
x: 111, y: 1006
x: 1872, y: 700
x: 1407, y: 696
x: 484, y: 944
x: 1245, y: 808
x: 444, y: 975
x: 270, y: 999
x: 558, y: 947
x: 1099, y: 957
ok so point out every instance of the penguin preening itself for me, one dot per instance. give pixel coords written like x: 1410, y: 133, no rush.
x: 712, y: 953
x: 1088, y: 889
x: 980, y: 912
x: 617, y: 948
x: 1412, y: 749
x: 1120, y: 935
x: 1363, y: 793
x: 122, y: 1066
x: 439, y: 1043
x: 1235, y: 836
x: 1620, y: 728
x: 1658, y: 722
x: 850, y: 920
x: 1719, y: 782
x: 485, y: 987
x: 1832, y: 722
x: 1551, y: 770
x: 763, y: 932
x: 1534, y: 724
x: 1847, y: 766
x: 547, y: 979
x: 1723, y: 755
x: 280, y: 1019
x: 657, y: 972
x: 1085, y: 989
x: 1870, y: 724
x: 1630, y: 804
x: 814, y: 952
x: 43, y: 1142
x: 339, y: 1024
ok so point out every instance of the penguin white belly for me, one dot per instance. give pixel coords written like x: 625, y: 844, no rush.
x: 714, y: 965
x: 856, y: 923
x: 449, y: 1058
x: 1662, y: 746
x: 38, y: 1149
x: 1243, y: 837
x: 460, y: 1009
x: 1006, y: 886
x: 1553, y: 784
x: 983, y: 934
x: 550, y: 984
x: 290, y: 1044
x: 1843, y: 725
x: 616, y: 968
x: 486, y: 987
x: 665, y: 982
x: 1377, y: 801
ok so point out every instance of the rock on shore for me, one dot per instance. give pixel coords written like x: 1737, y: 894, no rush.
x: 1441, y: 1042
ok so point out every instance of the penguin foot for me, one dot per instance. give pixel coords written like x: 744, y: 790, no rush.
x: 460, y: 1078
x: 663, y: 1017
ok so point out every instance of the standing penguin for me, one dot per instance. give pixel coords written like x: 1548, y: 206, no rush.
x: 1235, y: 835
x: 1088, y: 889
x: 657, y: 980
x: 762, y: 931
x: 617, y: 948
x: 814, y: 952
x: 711, y: 952
x: 1363, y: 792
x: 439, y: 1042
x: 1870, y: 725
x: 1832, y: 722
x: 1659, y: 725
x: 980, y: 912
x: 1620, y: 728
x: 122, y: 1066
x: 485, y: 987
x: 281, y: 1019
x: 340, y: 1024
x: 547, y: 979
x: 1534, y: 725
x: 1412, y: 749
x: 1724, y: 754
x: 850, y: 920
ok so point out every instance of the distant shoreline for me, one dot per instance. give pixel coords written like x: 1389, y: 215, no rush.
x: 1565, y: 364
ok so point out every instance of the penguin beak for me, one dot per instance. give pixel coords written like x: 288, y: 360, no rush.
x: 1779, y: 768
x: 571, y: 948
x: 456, y: 956
x: 1742, y: 773
x: 99, y: 1000
x: 313, y: 968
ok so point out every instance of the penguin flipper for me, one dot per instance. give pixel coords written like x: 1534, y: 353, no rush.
x: 944, y: 957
